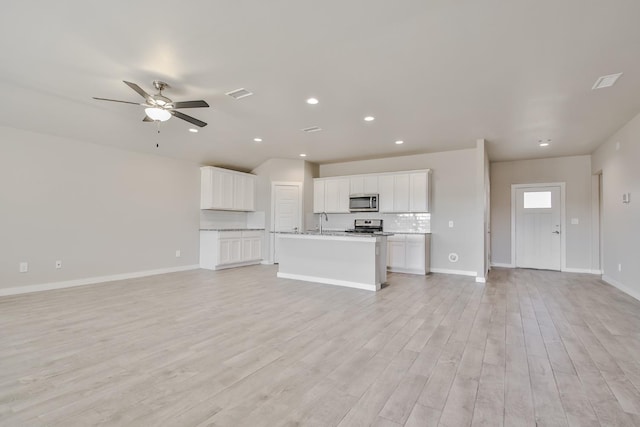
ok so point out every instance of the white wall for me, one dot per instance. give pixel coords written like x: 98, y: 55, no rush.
x: 453, y: 191
x: 102, y: 211
x: 575, y: 171
x: 282, y: 170
x: 621, y: 222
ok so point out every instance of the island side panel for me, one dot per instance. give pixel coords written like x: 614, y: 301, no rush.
x: 339, y: 261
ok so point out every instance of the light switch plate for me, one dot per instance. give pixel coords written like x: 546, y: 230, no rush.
x: 450, y: 224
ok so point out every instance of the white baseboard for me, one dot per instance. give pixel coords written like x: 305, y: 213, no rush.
x: 580, y: 270
x: 458, y: 272
x: 329, y: 281
x: 91, y: 280
x: 406, y: 271
x: 502, y: 265
x: 631, y: 292
x: 481, y: 279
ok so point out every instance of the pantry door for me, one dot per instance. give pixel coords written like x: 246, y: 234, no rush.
x: 538, y: 227
x: 287, y: 211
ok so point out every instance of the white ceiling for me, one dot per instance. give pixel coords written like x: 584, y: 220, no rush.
x: 436, y: 74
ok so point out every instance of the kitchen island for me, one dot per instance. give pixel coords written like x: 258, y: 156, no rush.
x: 343, y: 259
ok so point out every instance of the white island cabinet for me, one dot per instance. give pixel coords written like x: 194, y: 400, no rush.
x: 344, y: 260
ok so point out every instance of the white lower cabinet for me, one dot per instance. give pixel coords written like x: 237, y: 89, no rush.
x: 225, y: 249
x: 409, y: 253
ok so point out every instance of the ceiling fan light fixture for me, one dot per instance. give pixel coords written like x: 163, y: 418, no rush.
x: 157, y: 114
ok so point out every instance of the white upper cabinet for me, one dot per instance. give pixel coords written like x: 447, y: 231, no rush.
x: 364, y: 184
x: 398, y: 192
x: 336, y: 195
x: 223, y: 189
x: 419, y: 191
x: 318, y: 195
x: 331, y: 195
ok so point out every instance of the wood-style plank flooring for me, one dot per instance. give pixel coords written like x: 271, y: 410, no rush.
x: 242, y: 348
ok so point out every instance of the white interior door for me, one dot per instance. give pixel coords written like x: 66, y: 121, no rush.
x: 538, y: 227
x: 286, y: 211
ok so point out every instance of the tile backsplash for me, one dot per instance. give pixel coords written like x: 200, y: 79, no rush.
x: 407, y: 222
x: 222, y: 219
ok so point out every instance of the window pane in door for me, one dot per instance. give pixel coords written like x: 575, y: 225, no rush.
x: 537, y: 199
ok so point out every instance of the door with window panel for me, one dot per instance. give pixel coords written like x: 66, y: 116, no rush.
x: 537, y: 226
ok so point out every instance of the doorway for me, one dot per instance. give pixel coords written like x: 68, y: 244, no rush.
x: 286, y: 211
x: 537, y: 226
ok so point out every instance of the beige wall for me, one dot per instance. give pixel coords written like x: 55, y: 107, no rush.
x: 575, y: 172
x: 621, y: 222
x: 101, y: 211
x: 453, y: 192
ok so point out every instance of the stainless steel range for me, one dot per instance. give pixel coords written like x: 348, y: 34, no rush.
x: 368, y: 226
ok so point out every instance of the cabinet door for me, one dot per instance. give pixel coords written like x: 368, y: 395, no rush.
x: 370, y: 184
x: 343, y: 195
x: 226, y: 189
x: 246, y: 250
x: 236, y: 250
x: 385, y: 190
x: 401, y: 193
x: 224, y: 255
x: 256, y: 248
x: 238, y: 192
x: 206, y: 188
x: 336, y: 196
x: 318, y: 196
x: 418, y: 192
x: 396, y: 253
x: 356, y: 185
x: 415, y: 252
x: 249, y: 193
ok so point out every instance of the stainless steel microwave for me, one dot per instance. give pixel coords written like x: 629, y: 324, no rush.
x: 363, y: 203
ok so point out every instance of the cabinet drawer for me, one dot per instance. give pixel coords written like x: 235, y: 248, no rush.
x: 230, y: 234
x: 252, y: 234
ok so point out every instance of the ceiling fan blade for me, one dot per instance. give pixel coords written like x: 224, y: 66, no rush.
x: 190, y: 104
x: 138, y: 89
x: 147, y: 119
x: 189, y: 119
x: 117, y: 100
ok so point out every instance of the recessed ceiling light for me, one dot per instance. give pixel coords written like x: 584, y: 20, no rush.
x: 257, y: 139
x: 312, y: 101
x: 303, y: 155
x: 193, y: 130
x: 369, y: 119
x: 399, y: 142
x: 606, y: 81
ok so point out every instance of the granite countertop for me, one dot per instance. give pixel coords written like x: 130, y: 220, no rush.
x: 334, y: 233
x: 232, y: 229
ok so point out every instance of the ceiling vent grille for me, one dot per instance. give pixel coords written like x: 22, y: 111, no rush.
x: 606, y: 81
x: 312, y: 129
x: 239, y: 93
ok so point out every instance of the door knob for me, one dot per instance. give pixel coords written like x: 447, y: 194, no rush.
x: 556, y: 232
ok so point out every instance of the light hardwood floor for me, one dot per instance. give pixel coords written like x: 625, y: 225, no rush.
x: 242, y: 348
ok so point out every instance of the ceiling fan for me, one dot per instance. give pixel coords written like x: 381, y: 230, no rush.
x: 159, y: 108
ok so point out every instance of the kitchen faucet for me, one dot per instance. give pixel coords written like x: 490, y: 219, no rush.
x: 326, y: 218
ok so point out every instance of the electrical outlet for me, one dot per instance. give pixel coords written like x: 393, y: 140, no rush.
x: 178, y: 254
x: 450, y: 224
x: 58, y: 264
x: 24, y: 267
x: 619, y: 267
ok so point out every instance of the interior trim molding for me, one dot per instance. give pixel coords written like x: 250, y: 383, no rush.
x: 458, y: 272
x: 624, y: 288
x: 580, y: 270
x: 17, y: 290
x: 480, y: 279
x: 502, y: 265
x: 328, y: 281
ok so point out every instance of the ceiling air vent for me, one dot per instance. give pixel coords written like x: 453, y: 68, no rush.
x: 312, y: 129
x: 606, y: 81
x: 239, y: 93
